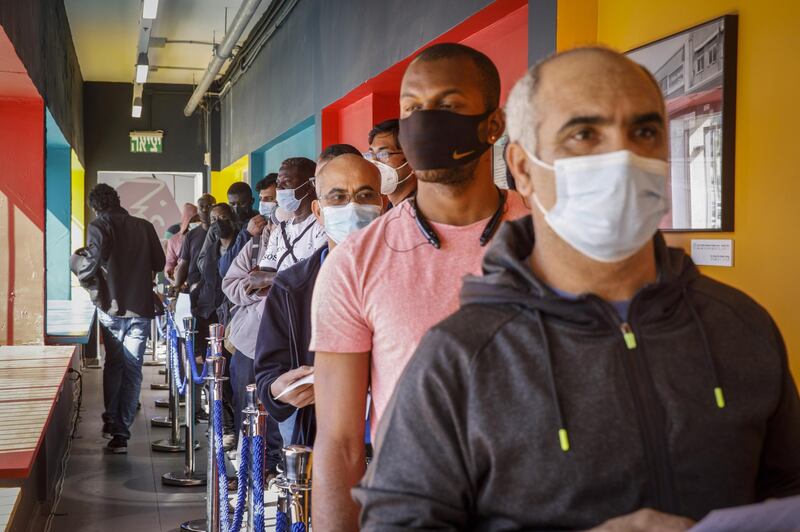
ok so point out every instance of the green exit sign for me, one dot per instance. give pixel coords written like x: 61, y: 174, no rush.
x: 147, y: 141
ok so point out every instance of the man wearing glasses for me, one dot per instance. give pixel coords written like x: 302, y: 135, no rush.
x: 348, y: 199
x: 398, y: 181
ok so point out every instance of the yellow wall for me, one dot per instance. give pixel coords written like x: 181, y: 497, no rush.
x: 220, y: 181
x: 77, y: 210
x: 766, y: 241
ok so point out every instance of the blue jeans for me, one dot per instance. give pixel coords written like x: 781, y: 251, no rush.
x: 242, y: 374
x: 125, y: 340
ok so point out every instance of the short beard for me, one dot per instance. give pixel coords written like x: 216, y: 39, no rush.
x: 458, y: 176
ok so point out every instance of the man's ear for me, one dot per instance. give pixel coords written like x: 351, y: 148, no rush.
x: 316, y: 208
x: 519, y: 165
x: 496, y: 126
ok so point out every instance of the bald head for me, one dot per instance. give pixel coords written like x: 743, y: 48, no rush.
x: 579, y: 81
x: 347, y: 171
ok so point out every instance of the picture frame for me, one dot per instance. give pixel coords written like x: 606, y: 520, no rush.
x: 696, y: 71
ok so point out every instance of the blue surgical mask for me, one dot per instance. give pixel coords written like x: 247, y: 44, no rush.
x: 266, y: 208
x: 608, y: 205
x: 287, y: 198
x: 341, y: 221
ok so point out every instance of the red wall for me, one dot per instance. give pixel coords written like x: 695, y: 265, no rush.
x: 500, y: 31
x: 22, y: 202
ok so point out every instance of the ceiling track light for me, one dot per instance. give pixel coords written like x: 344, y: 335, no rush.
x: 142, y: 68
x: 136, y: 110
x: 149, y: 9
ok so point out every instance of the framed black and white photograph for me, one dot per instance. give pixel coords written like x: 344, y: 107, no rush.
x: 696, y: 70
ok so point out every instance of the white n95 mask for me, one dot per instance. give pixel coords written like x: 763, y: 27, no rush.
x: 341, y: 221
x: 389, y: 177
x: 608, y: 205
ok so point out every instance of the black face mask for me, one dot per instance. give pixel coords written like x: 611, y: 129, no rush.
x: 441, y: 139
x: 224, y: 228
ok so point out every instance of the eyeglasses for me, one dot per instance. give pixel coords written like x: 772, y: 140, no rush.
x: 362, y: 197
x: 382, y: 156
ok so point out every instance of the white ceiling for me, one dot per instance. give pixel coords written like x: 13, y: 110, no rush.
x: 106, y: 32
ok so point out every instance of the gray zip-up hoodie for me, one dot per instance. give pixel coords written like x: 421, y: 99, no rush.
x: 528, y: 411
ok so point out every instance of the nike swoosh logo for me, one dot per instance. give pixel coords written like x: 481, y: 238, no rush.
x: 457, y: 156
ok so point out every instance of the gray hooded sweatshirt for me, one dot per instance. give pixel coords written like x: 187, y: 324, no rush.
x: 529, y: 411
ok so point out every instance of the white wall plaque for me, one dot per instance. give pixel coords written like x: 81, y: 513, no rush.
x: 712, y: 252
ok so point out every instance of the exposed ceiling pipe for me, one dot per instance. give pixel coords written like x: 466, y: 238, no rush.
x: 222, y: 53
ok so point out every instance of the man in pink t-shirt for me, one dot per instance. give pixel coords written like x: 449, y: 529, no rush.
x: 383, y: 288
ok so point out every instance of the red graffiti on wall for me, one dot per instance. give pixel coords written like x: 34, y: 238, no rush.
x: 150, y: 199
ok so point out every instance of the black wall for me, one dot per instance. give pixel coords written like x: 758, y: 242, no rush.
x: 108, y: 123
x: 40, y: 32
x: 323, y: 50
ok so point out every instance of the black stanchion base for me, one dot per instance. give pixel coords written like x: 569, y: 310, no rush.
x: 198, y: 525
x: 183, y: 479
x: 164, y: 403
x: 169, y: 446
x: 159, y: 386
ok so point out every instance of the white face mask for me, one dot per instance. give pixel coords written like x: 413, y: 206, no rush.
x: 193, y: 225
x: 341, y: 221
x: 287, y: 199
x: 266, y: 208
x: 608, y: 205
x: 389, y: 177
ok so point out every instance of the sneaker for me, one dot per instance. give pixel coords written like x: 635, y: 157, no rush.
x: 107, y: 431
x: 118, y: 445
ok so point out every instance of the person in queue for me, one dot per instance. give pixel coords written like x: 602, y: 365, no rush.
x: 258, y: 227
x: 211, y: 305
x: 593, y: 377
x: 189, y: 217
x: 380, y: 291
x: 349, y: 198
x: 248, y: 308
x: 188, y: 278
x: 398, y: 181
x: 121, y: 258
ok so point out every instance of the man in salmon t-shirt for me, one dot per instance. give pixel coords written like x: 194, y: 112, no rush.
x: 383, y: 288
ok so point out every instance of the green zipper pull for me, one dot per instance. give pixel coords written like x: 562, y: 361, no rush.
x: 627, y: 334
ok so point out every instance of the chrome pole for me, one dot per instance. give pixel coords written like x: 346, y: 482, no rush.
x: 216, y: 371
x: 188, y: 477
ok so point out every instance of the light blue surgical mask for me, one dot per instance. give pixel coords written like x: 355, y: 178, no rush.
x: 266, y: 208
x: 608, y: 205
x: 341, y: 221
x: 287, y: 198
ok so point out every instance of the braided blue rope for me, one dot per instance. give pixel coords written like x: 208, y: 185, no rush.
x: 174, y: 360
x: 201, y: 378
x: 222, y: 477
x: 298, y: 527
x: 257, y: 453
x: 241, y: 489
x: 281, y: 523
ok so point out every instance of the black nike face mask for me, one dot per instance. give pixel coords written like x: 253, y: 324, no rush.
x: 437, y: 139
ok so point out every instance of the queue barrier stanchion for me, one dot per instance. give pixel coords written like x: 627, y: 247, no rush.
x: 294, y: 490
x: 189, y: 477
x: 175, y: 443
x: 153, y: 360
x: 217, y: 515
x: 164, y: 421
x: 256, y: 427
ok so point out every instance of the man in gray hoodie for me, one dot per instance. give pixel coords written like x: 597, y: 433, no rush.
x: 592, y: 377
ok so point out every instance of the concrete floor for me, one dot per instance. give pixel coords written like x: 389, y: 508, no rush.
x: 124, y: 493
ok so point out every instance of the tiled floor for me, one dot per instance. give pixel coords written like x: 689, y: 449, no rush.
x: 123, y: 493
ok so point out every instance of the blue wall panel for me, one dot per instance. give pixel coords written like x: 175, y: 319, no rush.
x: 299, y: 141
x: 57, y: 219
